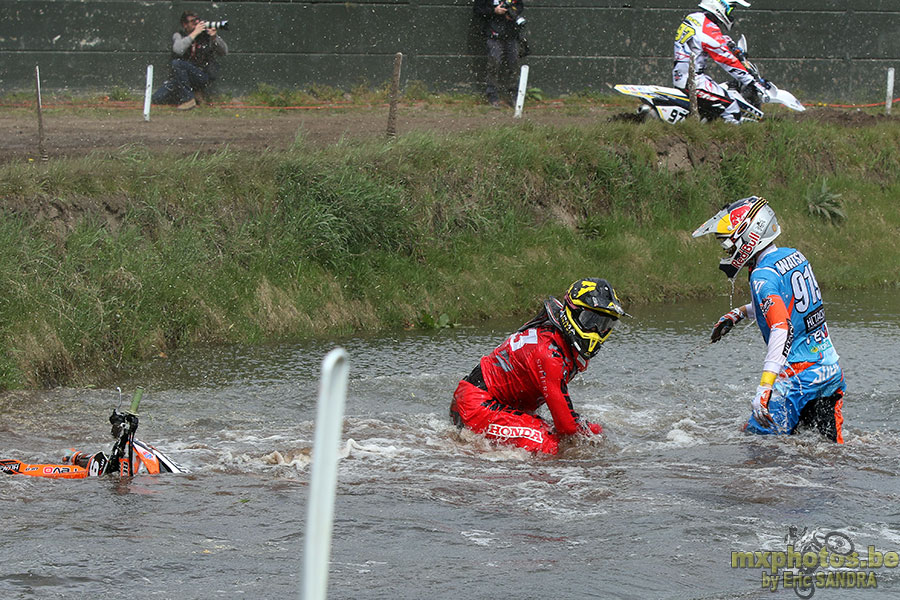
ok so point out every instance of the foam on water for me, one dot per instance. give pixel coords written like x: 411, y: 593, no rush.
x: 299, y: 460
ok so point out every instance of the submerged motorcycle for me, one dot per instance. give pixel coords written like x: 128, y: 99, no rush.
x: 673, y: 105
x: 128, y: 455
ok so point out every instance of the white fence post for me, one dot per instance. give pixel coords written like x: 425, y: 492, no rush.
x: 148, y: 90
x: 890, y: 91
x: 323, y: 474
x: 523, y: 86
x: 40, y: 114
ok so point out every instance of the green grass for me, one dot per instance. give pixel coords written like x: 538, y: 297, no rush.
x: 159, y: 252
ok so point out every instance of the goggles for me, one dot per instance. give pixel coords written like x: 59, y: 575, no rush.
x: 596, y: 322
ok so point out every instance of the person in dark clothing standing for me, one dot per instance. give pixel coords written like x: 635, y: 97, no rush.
x: 195, y: 52
x: 501, y: 31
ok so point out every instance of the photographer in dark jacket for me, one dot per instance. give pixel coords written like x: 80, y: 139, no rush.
x: 501, y: 32
x: 195, y: 51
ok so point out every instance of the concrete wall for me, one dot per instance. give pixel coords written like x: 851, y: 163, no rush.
x: 822, y: 50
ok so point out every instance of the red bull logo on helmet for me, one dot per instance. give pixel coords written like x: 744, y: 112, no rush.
x: 746, y: 249
x: 738, y: 214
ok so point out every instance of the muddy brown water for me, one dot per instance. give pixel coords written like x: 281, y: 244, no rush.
x: 655, y: 510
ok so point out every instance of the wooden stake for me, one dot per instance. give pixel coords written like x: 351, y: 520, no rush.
x: 395, y: 92
x: 692, y: 89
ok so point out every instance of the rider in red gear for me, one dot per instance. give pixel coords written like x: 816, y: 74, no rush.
x: 534, y: 366
x: 699, y: 38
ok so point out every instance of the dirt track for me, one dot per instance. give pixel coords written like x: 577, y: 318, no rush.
x: 68, y: 133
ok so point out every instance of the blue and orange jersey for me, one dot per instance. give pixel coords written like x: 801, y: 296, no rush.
x: 788, y: 307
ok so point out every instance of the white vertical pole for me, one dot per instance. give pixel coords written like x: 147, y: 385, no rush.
x: 523, y: 86
x: 37, y: 79
x: 323, y: 475
x: 40, y: 114
x: 890, y: 92
x: 148, y: 90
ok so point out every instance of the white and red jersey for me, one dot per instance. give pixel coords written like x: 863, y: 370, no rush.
x: 531, y: 368
x: 700, y: 37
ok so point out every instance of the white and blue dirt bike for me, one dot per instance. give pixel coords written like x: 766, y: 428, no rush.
x: 672, y: 105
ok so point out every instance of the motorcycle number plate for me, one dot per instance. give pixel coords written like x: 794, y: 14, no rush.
x: 672, y: 114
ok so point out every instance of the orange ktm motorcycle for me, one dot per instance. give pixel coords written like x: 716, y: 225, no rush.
x: 128, y: 455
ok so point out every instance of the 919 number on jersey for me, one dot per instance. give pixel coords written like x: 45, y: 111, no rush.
x: 806, y: 289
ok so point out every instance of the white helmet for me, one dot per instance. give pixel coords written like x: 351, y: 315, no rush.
x: 721, y: 9
x: 744, y: 227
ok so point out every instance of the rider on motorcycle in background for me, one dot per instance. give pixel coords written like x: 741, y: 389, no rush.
x: 700, y: 36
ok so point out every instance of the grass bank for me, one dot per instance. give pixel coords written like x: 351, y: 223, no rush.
x: 119, y: 257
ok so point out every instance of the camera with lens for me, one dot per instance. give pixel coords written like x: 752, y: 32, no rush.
x: 223, y: 25
x: 218, y: 25
x: 512, y: 9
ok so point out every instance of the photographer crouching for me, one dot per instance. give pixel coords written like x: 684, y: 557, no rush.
x: 195, y: 51
x: 502, y: 22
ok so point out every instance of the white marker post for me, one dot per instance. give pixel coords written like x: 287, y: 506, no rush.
x: 323, y: 475
x: 42, y: 152
x: 523, y: 86
x: 890, y: 92
x: 148, y: 90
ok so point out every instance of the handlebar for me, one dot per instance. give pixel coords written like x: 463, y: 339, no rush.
x: 124, y: 426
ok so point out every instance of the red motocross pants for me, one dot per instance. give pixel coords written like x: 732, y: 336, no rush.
x: 475, y: 409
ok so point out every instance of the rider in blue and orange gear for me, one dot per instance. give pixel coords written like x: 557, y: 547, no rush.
x: 534, y: 366
x: 802, y: 383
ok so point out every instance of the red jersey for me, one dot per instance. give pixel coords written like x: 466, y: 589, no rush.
x: 700, y: 37
x: 532, y: 368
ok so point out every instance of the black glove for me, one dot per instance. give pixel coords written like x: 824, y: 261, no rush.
x: 736, y: 50
x: 725, y: 323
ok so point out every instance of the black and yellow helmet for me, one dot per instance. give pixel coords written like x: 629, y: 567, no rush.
x: 588, y: 313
